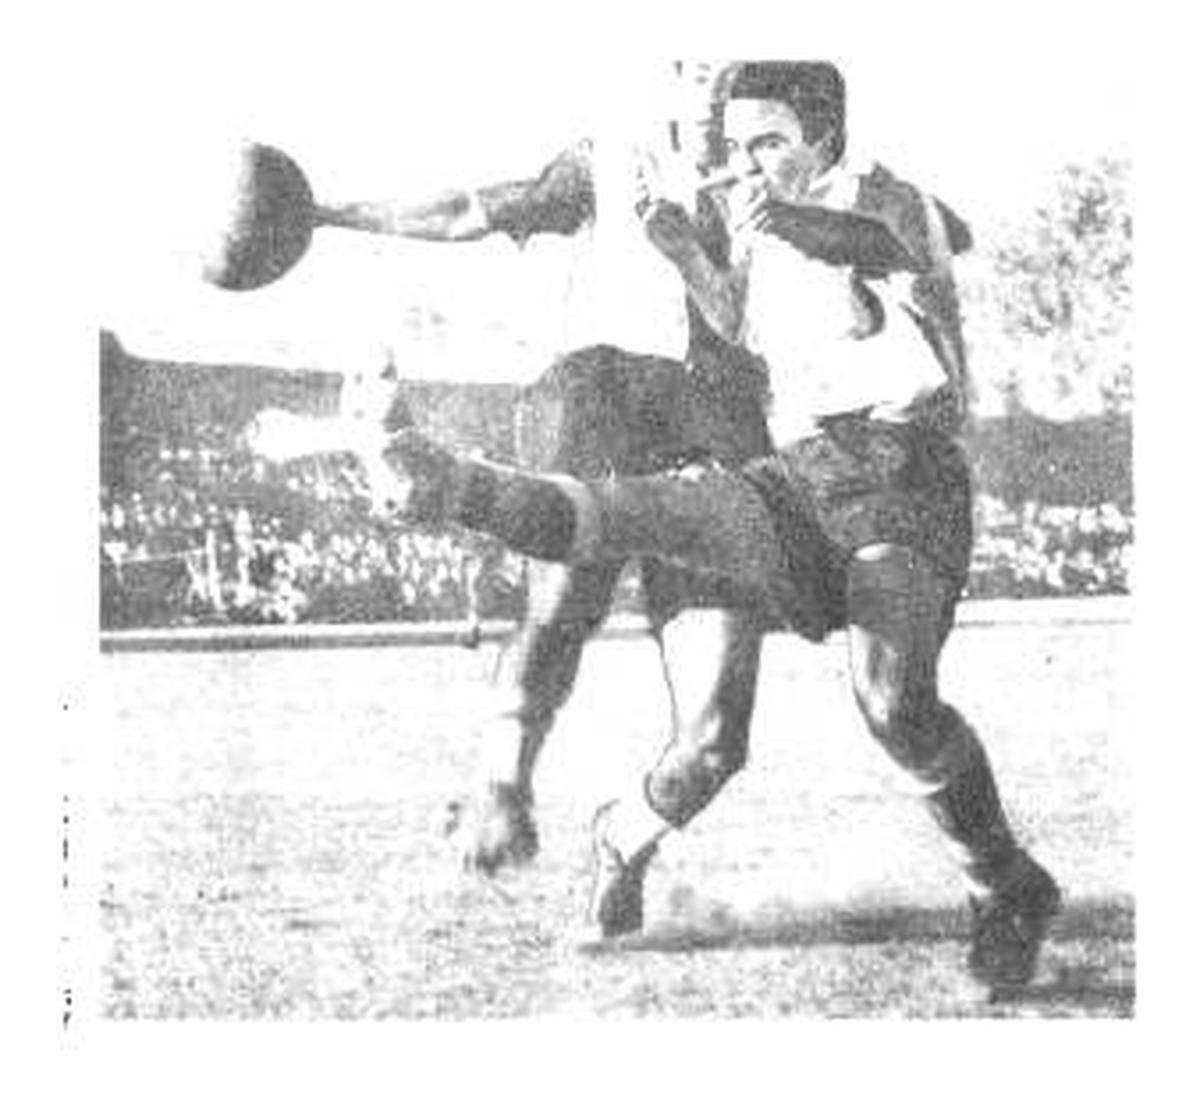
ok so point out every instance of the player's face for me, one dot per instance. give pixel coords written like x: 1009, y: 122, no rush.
x: 764, y: 144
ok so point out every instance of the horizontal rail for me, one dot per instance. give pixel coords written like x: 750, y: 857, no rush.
x: 1100, y: 610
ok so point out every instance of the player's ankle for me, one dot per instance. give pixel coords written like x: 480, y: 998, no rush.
x: 631, y: 826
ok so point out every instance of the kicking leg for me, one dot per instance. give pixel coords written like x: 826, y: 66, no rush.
x: 706, y: 519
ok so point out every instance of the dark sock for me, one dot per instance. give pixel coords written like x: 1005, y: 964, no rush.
x: 969, y: 811
x: 531, y: 515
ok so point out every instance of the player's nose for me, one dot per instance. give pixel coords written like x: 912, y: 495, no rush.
x: 743, y: 166
x: 737, y: 158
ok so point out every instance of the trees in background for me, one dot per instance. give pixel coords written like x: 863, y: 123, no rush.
x: 1049, y: 301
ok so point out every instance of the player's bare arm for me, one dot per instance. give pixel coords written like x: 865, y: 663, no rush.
x: 456, y: 216
x: 838, y: 237
x: 718, y: 292
x: 887, y: 232
x: 559, y: 200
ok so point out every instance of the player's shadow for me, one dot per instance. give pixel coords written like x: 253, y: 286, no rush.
x: 695, y: 927
x: 1078, y: 985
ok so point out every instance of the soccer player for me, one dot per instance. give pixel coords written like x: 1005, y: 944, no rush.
x: 838, y: 276
x: 620, y: 401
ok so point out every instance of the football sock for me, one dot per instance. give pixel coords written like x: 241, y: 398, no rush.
x: 535, y: 516
x: 632, y: 826
x: 967, y: 808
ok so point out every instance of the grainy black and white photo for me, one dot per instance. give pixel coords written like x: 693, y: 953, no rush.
x: 597, y: 535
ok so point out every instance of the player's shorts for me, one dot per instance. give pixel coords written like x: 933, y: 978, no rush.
x: 859, y: 482
x: 602, y: 411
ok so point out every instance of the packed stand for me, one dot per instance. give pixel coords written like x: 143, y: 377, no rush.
x: 207, y: 534
x: 216, y: 536
x: 1050, y: 550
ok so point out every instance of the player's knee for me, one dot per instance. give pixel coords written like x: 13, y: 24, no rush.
x: 719, y: 758
x: 688, y: 777
x: 678, y: 793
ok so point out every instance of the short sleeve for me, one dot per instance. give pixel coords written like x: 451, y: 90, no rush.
x: 901, y: 207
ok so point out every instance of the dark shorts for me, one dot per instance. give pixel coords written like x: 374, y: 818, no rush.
x: 602, y: 411
x: 860, y: 482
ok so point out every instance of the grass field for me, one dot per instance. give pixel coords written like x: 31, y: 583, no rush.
x: 270, y: 841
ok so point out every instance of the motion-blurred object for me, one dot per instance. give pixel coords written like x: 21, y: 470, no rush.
x: 267, y: 224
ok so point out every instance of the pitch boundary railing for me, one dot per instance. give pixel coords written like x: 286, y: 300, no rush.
x: 1101, y: 610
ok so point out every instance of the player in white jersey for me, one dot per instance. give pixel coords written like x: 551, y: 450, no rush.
x: 642, y: 386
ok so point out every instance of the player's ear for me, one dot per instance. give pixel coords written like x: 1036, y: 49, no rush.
x: 829, y: 145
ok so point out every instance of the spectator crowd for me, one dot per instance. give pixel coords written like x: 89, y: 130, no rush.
x: 206, y: 533
x: 216, y: 536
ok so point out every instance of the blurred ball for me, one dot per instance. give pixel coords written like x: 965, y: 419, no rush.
x: 265, y: 224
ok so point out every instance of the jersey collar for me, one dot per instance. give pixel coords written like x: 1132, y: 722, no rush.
x: 837, y: 186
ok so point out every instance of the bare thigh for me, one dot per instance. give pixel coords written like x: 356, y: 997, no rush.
x: 710, y: 659
x: 898, y: 619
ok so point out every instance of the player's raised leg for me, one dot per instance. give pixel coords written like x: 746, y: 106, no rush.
x: 705, y: 518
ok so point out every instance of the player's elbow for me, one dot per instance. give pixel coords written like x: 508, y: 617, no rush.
x: 871, y: 245
x: 958, y: 231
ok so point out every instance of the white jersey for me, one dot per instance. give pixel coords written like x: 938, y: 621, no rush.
x: 801, y: 317
x: 621, y: 290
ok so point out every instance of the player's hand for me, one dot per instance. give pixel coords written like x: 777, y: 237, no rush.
x: 670, y: 228
x: 780, y: 219
x: 744, y: 202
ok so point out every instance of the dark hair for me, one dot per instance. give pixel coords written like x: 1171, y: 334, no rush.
x: 815, y: 90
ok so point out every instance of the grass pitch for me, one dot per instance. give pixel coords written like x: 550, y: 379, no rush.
x: 269, y: 846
